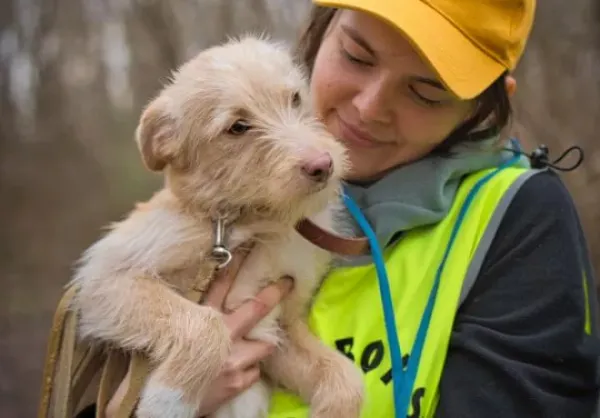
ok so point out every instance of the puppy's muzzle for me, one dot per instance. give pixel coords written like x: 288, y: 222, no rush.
x: 319, y: 168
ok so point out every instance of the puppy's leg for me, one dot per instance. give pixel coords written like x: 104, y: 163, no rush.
x: 324, y: 378
x: 187, y: 342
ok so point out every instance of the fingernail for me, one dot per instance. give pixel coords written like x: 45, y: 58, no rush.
x: 287, y: 284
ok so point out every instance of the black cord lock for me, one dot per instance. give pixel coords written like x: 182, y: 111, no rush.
x: 540, y: 158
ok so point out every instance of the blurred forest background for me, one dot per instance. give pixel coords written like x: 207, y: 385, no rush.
x: 74, y: 75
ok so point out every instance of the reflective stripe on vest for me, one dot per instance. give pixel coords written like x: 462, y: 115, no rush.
x: 347, y: 313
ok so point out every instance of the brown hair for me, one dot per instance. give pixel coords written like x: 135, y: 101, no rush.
x: 493, y: 104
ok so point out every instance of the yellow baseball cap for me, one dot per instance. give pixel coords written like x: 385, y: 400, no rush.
x: 469, y: 43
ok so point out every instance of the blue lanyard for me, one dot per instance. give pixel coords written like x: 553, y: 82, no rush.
x: 403, y: 380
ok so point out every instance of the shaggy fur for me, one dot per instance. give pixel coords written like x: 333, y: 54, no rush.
x: 234, y: 134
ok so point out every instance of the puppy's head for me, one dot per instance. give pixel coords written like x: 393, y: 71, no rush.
x: 235, y: 128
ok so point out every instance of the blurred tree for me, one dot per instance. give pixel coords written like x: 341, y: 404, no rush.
x: 154, y: 25
x: 47, y: 176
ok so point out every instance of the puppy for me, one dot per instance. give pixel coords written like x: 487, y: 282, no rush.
x: 235, y: 136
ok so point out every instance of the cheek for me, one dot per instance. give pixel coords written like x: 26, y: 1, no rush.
x: 426, y: 128
x: 321, y: 90
x: 328, y: 87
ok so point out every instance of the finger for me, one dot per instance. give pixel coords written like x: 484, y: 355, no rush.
x: 227, y: 387
x: 245, y: 317
x: 247, y: 353
x: 224, y: 278
x: 243, y: 380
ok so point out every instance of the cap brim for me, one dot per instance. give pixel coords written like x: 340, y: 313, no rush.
x: 461, y: 66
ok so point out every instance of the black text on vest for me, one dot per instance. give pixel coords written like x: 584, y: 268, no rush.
x: 370, y: 358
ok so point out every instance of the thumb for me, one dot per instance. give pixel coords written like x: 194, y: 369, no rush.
x: 224, y: 278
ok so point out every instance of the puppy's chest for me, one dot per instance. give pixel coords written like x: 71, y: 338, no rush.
x: 289, y: 255
x: 276, y: 253
x: 192, y: 266
x: 196, y: 277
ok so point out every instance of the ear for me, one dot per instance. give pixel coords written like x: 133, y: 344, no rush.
x: 511, y: 85
x: 156, y: 134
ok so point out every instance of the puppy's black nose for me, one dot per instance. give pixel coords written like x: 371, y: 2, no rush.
x: 319, y: 168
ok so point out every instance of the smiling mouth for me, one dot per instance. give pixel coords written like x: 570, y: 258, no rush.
x: 350, y: 134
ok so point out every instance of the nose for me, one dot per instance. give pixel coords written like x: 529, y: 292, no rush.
x: 372, y: 103
x: 318, y: 168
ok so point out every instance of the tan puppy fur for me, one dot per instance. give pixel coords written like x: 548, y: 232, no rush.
x: 233, y: 133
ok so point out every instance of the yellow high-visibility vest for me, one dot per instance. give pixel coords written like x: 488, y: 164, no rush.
x: 347, y: 312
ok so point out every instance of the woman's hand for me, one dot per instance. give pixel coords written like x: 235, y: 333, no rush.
x: 241, y: 369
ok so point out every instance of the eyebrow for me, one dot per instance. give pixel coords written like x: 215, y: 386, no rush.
x: 356, y: 37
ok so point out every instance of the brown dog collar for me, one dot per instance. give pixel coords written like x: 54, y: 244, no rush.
x: 330, y: 241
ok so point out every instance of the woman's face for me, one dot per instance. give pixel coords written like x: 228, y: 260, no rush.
x: 378, y: 97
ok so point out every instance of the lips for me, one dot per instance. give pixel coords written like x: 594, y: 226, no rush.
x: 351, y: 134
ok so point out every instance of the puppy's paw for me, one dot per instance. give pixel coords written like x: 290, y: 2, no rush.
x: 341, y: 393
x: 184, y: 374
x: 158, y: 401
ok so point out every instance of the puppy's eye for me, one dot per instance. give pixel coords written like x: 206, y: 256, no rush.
x: 296, y: 99
x: 239, y: 127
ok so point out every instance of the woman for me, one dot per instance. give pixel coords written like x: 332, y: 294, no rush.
x: 419, y: 91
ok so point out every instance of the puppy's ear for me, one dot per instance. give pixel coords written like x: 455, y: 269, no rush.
x: 156, y: 134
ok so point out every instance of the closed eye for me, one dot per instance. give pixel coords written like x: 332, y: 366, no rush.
x: 423, y: 99
x: 353, y: 59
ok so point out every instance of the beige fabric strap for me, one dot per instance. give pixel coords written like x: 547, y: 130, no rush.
x: 112, y: 373
x: 63, y: 402
x: 55, y: 381
x: 89, y: 361
x: 70, y: 365
x: 139, y: 369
